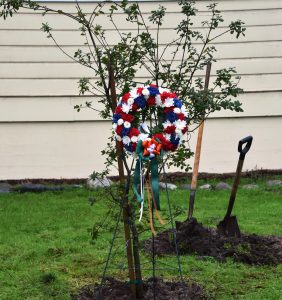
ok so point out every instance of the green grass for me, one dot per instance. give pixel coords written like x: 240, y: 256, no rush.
x: 46, y: 250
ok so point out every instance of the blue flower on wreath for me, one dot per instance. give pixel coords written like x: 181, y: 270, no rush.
x: 128, y: 148
x: 125, y: 131
x: 153, y: 91
x: 177, y: 103
x: 140, y: 101
x: 116, y: 117
x: 171, y: 116
x: 175, y: 141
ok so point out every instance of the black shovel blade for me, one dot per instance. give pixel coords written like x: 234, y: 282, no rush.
x: 229, y: 227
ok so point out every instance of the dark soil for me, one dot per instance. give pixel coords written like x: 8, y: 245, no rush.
x: 193, y: 238
x: 117, y: 290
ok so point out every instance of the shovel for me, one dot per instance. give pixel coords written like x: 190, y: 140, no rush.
x: 229, y: 225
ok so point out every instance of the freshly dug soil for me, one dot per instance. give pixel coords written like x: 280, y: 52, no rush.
x: 193, y: 238
x: 118, y: 290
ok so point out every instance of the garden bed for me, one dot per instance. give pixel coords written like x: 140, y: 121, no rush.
x: 118, y: 290
x: 194, y: 238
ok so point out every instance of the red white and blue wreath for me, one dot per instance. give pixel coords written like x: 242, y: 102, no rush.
x: 126, y: 118
x: 133, y: 133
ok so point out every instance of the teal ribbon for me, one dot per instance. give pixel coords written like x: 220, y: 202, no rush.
x: 136, y: 281
x: 155, y: 181
x: 154, y: 175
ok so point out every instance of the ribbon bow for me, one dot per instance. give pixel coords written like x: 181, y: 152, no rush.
x: 148, y: 150
x: 151, y: 148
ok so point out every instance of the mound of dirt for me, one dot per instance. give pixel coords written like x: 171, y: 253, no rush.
x: 117, y: 290
x: 193, y: 238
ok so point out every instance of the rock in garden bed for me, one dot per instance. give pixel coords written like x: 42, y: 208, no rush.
x: 194, y: 238
x: 118, y: 290
x: 5, y: 188
x: 99, y: 183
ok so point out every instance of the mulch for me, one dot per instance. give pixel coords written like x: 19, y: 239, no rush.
x: 193, y: 238
x: 114, y: 289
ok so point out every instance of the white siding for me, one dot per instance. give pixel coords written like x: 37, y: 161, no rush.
x: 43, y: 136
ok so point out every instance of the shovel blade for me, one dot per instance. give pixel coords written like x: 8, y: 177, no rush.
x: 229, y: 227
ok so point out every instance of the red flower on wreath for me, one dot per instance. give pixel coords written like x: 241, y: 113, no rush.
x: 169, y: 109
x: 170, y: 129
x: 139, y: 90
x: 119, y: 130
x: 165, y: 143
x: 119, y: 110
x: 133, y: 132
x: 151, y: 101
x: 127, y: 117
x: 181, y: 117
x: 125, y: 97
x: 164, y: 95
x: 134, y: 107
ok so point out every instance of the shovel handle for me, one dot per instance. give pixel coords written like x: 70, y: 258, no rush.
x: 243, y: 151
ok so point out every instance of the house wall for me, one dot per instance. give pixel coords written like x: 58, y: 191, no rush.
x: 43, y: 136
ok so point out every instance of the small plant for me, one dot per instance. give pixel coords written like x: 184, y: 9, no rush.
x: 47, y: 278
x: 244, y: 249
x: 227, y: 246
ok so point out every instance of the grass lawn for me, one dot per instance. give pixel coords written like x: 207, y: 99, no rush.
x: 46, y: 250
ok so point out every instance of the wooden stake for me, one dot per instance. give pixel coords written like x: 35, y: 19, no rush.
x: 198, y: 152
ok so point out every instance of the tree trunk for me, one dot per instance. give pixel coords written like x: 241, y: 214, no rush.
x: 133, y: 261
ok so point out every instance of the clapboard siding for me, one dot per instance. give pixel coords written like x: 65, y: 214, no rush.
x: 73, y: 38
x: 46, y: 54
x: 51, y: 150
x: 39, y: 87
x: 74, y: 70
x: 62, y: 86
x: 147, y: 6
x: 70, y: 150
x: 57, y: 22
x: 51, y: 109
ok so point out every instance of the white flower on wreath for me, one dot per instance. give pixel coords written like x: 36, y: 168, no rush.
x: 180, y: 124
x: 114, y: 126
x: 184, y: 111
x: 134, y: 139
x: 126, y: 140
x: 127, y: 124
x: 120, y: 121
x: 126, y: 108
x: 166, y: 124
x: 161, y: 90
x: 130, y: 101
x: 146, y: 93
x: 143, y: 136
x: 178, y: 132
x: 133, y: 94
x: 158, y: 100
x: 145, y: 127
x: 167, y: 136
x: 118, y: 138
x: 177, y: 110
x: 168, y: 102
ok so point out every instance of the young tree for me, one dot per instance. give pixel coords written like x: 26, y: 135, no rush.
x: 177, y: 65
